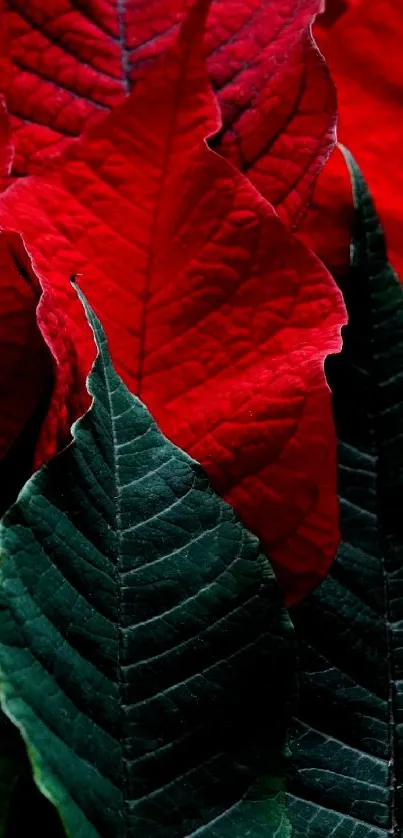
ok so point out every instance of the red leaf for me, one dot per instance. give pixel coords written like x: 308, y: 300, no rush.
x: 282, y: 136
x: 328, y: 225
x: 217, y: 316
x: 24, y: 359
x: 363, y: 46
x: 71, y: 60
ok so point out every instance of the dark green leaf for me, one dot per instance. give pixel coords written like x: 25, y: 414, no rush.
x: 347, y: 751
x: 145, y: 652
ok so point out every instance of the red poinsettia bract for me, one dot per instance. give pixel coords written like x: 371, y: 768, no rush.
x: 218, y: 318
x: 70, y: 62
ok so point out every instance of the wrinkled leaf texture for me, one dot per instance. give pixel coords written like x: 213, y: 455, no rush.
x: 362, y: 46
x: 347, y: 753
x: 137, y: 603
x: 70, y: 61
x: 217, y: 316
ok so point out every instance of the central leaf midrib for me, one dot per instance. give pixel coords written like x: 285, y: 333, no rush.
x: 124, y: 53
x: 180, y: 82
x: 118, y: 573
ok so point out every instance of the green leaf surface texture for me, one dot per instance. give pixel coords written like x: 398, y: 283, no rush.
x: 145, y: 652
x: 347, y: 747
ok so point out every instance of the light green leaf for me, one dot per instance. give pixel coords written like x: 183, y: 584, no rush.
x: 145, y: 652
x: 347, y: 750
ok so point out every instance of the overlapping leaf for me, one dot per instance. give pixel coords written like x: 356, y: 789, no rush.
x: 216, y: 315
x: 136, y: 602
x: 327, y: 226
x: 348, y: 749
x: 70, y: 61
x: 362, y: 45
